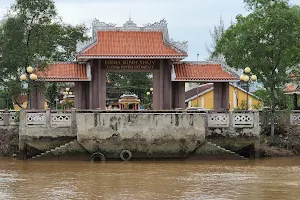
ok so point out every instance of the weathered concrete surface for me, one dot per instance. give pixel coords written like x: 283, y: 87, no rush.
x: 9, y: 140
x: 71, y: 150
x: 209, y: 150
x: 145, y: 135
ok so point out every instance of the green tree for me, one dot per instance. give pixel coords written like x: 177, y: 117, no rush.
x: 52, y: 94
x: 216, y: 35
x: 267, y: 40
x: 33, y: 34
x: 129, y: 83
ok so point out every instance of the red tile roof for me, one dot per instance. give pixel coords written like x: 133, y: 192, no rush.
x: 131, y: 44
x: 64, y: 71
x: 292, y: 88
x: 205, y: 72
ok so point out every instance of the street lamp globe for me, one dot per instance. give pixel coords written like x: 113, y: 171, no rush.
x: 33, y: 77
x: 65, y: 93
x: 70, y: 93
x: 67, y: 89
x: 242, y: 77
x: 246, y: 78
x: 29, y: 70
x: 151, y: 89
x: 23, y: 77
x: 253, y: 77
x: 148, y: 93
x: 247, y: 70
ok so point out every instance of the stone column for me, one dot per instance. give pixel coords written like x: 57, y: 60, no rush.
x: 225, y: 96
x: 221, y: 96
x: 217, y: 96
x: 167, y: 84
x: 78, y: 95
x: 37, y: 96
x: 156, y: 89
x: 178, y: 95
x: 295, y: 101
x: 102, y: 87
x: 22, y: 132
x: 81, y: 95
x: 94, y: 93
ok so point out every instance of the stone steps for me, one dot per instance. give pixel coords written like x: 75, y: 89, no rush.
x: 228, y: 151
x: 55, y: 150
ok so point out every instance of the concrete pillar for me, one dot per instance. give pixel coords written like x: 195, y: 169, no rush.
x: 156, y: 89
x: 37, y: 96
x: 225, y: 96
x: 78, y: 95
x: 22, y: 131
x: 94, y: 95
x: 167, y: 84
x: 221, y: 96
x: 178, y: 95
x: 81, y: 95
x: 102, y: 88
x: 295, y: 101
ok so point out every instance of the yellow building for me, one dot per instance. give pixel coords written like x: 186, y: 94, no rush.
x: 203, y: 97
x: 22, y: 101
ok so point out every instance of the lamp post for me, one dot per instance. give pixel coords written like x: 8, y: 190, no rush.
x: 246, y: 79
x: 149, y: 94
x: 32, y: 77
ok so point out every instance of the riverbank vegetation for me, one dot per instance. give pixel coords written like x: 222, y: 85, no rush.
x: 266, y: 40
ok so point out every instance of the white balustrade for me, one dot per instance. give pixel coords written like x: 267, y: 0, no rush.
x: 62, y: 119
x: 13, y: 118
x: 33, y: 119
x: 295, y: 118
x: 242, y: 120
x: 1, y: 119
x: 218, y: 120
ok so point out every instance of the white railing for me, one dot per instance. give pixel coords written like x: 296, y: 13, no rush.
x: 1, y: 118
x: 9, y: 118
x: 49, y: 118
x: 61, y: 119
x: 33, y: 119
x: 218, y: 120
x: 295, y: 118
x: 242, y: 120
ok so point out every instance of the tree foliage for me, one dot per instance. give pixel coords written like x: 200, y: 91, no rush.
x: 268, y: 41
x: 216, y: 35
x: 137, y: 83
x: 33, y: 34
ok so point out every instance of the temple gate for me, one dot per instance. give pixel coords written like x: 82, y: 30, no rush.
x: 136, y: 49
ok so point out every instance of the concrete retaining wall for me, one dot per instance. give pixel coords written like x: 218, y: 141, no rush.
x: 144, y: 134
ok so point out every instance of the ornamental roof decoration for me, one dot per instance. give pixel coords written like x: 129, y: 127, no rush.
x: 130, y: 26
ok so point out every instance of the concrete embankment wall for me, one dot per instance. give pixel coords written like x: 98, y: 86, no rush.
x: 146, y: 135
x: 43, y: 136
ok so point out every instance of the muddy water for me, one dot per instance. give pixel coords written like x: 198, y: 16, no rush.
x: 265, y: 179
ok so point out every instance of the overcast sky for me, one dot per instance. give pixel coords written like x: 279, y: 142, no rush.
x: 187, y: 19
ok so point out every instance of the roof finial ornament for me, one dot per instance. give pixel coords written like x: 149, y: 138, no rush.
x: 129, y: 23
x: 129, y: 15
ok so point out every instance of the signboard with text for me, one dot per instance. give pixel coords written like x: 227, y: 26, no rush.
x: 129, y: 64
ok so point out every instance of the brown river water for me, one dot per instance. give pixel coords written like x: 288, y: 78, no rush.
x: 276, y: 178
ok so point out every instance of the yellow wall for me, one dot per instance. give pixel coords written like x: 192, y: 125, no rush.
x: 24, y: 105
x: 240, y: 97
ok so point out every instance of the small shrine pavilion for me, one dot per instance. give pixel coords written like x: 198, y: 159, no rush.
x: 129, y: 102
x: 135, y: 49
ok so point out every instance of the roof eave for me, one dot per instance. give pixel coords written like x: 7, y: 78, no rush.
x: 205, y: 81
x: 86, y: 57
x: 65, y: 80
